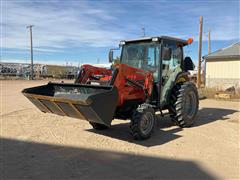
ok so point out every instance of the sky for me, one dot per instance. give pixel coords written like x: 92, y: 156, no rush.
x: 76, y: 32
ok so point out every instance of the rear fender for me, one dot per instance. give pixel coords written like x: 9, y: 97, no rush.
x: 182, y: 77
x: 175, y: 77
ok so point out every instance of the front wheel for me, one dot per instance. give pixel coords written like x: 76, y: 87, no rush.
x: 184, y: 104
x: 143, y: 122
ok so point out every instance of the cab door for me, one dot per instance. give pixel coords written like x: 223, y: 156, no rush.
x: 170, y: 68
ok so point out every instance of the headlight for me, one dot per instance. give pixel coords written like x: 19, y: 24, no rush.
x: 122, y: 43
x: 155, y: 39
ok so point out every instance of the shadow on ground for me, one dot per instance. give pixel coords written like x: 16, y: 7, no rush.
x: 208, y: 115
x: 205, y: 116
x: 28, y: 160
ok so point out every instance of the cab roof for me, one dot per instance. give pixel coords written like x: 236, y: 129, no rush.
x: 157, y: 38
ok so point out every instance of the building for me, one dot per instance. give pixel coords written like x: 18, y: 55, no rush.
x: 222, y: 68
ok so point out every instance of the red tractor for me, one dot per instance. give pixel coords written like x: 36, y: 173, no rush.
x: 152, y: 76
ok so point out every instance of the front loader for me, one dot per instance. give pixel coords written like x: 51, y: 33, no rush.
x: 152, y: 76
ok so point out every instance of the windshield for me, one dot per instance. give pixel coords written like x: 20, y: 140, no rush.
x: 142, y: 56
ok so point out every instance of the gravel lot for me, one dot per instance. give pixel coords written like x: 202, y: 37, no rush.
x: 35, y: 145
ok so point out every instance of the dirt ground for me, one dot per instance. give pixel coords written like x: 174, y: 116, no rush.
x: 35, y: 145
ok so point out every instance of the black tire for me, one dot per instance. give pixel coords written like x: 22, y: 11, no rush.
x: 143, y: 122
x: 98, y: 126
x: 184, y: 104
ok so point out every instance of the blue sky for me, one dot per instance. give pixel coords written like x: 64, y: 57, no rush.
x: 83, y: 31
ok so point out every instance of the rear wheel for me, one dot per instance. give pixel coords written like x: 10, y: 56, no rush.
x: 143, y: 122
x: 184, y: 104
x: 98, y: 126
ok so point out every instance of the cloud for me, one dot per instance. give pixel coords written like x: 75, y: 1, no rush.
x: 56, y: 25
x: 64, y: 29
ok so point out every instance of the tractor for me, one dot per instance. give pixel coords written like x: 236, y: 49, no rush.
x: 151, y: 76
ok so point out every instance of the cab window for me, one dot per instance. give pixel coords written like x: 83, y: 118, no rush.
x: 142, y: 56
x: 176, y: 57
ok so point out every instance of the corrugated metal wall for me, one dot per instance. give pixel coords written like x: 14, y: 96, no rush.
x: 223, y: 69
x: 223, y: 74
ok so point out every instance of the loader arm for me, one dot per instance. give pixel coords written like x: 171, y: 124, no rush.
x: 132, y: 83
x: 89, y: 72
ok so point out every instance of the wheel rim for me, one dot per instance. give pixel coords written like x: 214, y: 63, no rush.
x: 190, y: 104
x: 147, y: 123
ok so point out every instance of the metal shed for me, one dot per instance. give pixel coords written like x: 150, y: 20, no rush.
x: 222, y: 68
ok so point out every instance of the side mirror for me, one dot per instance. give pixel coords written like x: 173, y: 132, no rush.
x: 110, y: 56
x: 166, y: 54
x: 188, y: 64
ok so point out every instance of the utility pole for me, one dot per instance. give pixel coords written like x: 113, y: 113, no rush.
x: 209, y: 41
x: 143, y: 31
x: 200, y: 52
x: 31, y: 49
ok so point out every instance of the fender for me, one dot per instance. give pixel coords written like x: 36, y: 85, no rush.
x: 182, y: 77
x: 177, y: 76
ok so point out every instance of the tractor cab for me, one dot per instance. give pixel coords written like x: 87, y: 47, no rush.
x: 163, y: 56
x: 156, y: 54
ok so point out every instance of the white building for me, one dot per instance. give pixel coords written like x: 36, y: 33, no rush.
x: 223, y: 68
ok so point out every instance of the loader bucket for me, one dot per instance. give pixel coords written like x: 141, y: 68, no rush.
x: 89, y: 102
